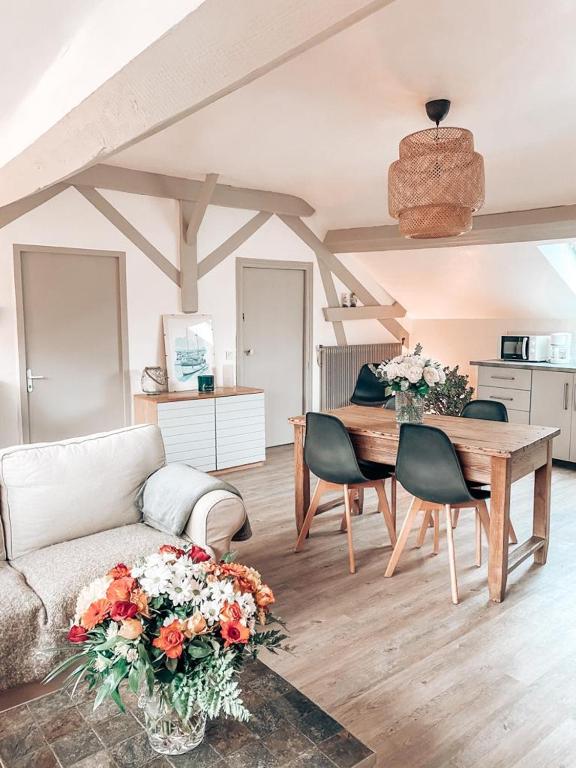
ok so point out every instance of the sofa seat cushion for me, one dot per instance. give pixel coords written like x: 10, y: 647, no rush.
x: 56, y: 492
x: 58, y: 573
x: 21, y: 615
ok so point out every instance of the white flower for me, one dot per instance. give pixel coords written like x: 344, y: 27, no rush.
x: 210, y: 609
x: 441, y: 376
x: 112, y: 631
x: 414, y: 374
x: 155, y: 578
x: 132, y: 654
x: 246, y: 603
x: 391, y: 371
x: 122, y: 650
x: 169, y: 619
x: 96, y: 590
x: 101, y: 663
x: 431, y: 375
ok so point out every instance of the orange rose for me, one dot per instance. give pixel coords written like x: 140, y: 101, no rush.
x: 95, y: 614
x: 234, y: 632
x: 119, y: 571
x: 171, y: 549
x: 171, y: 640
x: 140, y: 600
x: 195, y: 625
x: 130, y: 629
x: 120, y: 589
x: 264, y: 596
x: 231, y: 612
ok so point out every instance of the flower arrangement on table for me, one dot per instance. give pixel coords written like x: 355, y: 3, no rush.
x: 177, y: 626
x: 411, y: 377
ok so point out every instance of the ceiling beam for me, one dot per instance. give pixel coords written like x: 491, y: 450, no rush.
x: 10, y: 213
x: 159, y: 185
x: 199, y: 209
x: 363, y: 313
x: 557, y: 223
x: 332, y: 299
x: 218, y: 48
x: 343, y: 274
x: 232, y: 243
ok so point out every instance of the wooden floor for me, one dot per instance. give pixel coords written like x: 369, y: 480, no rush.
x: 423, y: 682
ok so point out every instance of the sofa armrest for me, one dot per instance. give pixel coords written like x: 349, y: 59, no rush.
x: 214, y: 520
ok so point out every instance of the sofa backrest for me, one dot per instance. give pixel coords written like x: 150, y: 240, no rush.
x: 53, y: 492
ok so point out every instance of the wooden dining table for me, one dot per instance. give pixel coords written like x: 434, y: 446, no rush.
x: 490, y: 452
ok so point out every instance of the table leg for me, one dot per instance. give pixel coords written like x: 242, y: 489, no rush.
x: 542, y: 492
x: 301, y: 478
x: 500, y: 481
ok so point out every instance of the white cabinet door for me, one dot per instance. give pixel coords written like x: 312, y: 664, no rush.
x: 189, y: 432
x: 551, y: 406
x: 240, y: 430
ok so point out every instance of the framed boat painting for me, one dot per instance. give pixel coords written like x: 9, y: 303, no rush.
x: 189, y: 345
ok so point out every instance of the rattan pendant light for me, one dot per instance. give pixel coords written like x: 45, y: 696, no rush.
x: 438, y: 182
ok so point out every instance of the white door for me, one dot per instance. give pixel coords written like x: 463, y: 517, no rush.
x: 551, y: 406
x: 272, y: 342
x: 71, y: 342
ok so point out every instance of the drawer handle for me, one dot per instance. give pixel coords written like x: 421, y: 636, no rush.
x: 566, y: 396
x: 505, y: 378
x: 493, y: 397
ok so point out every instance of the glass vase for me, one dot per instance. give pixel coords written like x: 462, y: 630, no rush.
x: 168, y: 733
x: 409, y: 408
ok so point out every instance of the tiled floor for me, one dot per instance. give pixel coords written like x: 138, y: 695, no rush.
x: 287, y: 730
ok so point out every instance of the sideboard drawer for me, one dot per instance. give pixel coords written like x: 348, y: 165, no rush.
x: 514, y: 399
x: 240, y: 430
x: 511, y: 378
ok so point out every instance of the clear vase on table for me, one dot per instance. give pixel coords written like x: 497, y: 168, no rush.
x: 409, y: 407
x: 168, y: 732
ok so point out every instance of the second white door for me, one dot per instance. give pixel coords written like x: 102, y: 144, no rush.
x: 272, y: 341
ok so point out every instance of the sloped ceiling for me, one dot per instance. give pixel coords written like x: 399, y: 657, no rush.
x: 496, y: 281
x: 326, y: 125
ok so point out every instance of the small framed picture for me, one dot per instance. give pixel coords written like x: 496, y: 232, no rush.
x: 189, y: 345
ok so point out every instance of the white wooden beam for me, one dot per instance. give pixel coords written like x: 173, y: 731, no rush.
x: 232, y: 243
x: 128, y: 230
x: 10, y: 213
x: 159, y: 185
x: 363, y: 313
x: 557, y: 223
x: 332, y: 299
x: 343, y: 273
x: 215, y: 50
x: 188, y: 256
x: 199, y: 209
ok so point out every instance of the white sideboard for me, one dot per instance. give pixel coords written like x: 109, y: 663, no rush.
x: 212, y: 431
x: 534, y: 393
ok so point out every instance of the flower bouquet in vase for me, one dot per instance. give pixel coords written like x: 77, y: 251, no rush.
x: 411, y: 377
x: 176, y: 628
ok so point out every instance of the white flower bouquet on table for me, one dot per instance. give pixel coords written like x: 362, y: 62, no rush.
x: 411, y: 377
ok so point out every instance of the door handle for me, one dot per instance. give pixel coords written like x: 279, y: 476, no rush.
x: 248, y: 352
x: 30, y: 379
x: 566, y: 396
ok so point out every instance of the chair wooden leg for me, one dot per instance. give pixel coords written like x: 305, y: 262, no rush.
x: 424, y: 528
x: 318, y: 491
x: 478, y: 525
x: 403, y: 537
x: 393, y: 497
x: 360, y: 500
x: 451, y: 555
x: 455, y: 516
x: 512, y: 534
x: 385, y: 509
x: 436, y: 548
x: 347, y: 506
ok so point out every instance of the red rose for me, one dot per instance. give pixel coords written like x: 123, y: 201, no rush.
x: 122, y: 609
x: 198, y: 555
x: 77, y: 634
x: 171, y: 550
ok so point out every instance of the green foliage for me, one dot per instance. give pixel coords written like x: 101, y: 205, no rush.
x: 449, y: 398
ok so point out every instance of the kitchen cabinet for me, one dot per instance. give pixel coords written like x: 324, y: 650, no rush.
x: 552, y: 405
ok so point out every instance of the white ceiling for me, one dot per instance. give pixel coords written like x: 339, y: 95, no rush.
x: 326, y: 125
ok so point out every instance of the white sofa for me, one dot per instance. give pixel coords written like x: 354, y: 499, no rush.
x: 68, y: 514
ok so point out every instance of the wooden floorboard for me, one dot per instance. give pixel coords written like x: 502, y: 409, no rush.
x: 423, y: 682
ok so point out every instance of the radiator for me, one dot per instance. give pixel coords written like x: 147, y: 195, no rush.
x: 339, y: 368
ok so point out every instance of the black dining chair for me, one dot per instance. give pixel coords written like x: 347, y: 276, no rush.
x: 330, y: 455
x: 369, y: 390
x: 486, y: 410
x: 428, y: 467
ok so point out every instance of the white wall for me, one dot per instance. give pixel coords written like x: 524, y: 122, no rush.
x: 70, y: 221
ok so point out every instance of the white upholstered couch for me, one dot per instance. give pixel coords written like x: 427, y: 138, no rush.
x: 68, y: 514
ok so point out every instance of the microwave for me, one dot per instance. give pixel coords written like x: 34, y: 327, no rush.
x: 536, y: 349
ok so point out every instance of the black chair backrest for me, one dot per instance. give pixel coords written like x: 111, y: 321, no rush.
x: 427, y: 465
x: 490, y: 410
x: 368, y: 390
x: 328, y: 450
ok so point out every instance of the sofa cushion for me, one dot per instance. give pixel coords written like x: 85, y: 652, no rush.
x: 72, y: 565
x: 21, y: 614
x: 57, y: 492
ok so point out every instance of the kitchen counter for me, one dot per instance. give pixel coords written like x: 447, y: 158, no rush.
x: 568, y: 367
